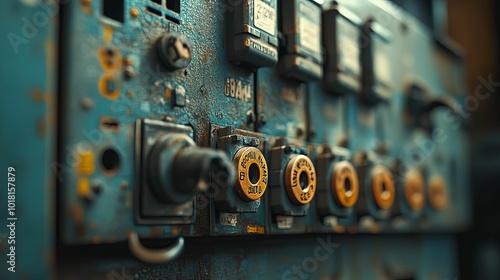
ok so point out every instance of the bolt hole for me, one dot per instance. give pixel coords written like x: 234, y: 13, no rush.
x: 385, y: 191
x: 109, y: 123
x: 110, y: 161
x: 304, y: 181
x: 347, y: 187
x: 109, y: 51
x: 254, y: 173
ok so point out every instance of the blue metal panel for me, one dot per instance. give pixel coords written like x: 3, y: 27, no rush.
x: 112, y: 76
x: 28, y: 122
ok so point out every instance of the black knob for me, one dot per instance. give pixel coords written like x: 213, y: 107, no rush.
x: 177, y: 168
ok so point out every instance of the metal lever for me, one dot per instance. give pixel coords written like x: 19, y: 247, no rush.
x: 154, y: 255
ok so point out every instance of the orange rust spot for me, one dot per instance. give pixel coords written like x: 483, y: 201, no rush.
x: 134, y: 12
x: 339, y: 228
x: 175, y: 230
x: 108, y: 34
x: 374, y: 228
x: 168, y: 92
x: 37, y: 95
x: 77, y: 214
x: 110, y: 58
x: 86, y: 166
x: 51, y: 52
x: 41, y: 128
x: 83, y: 188
x: 48, y: 98
x: 206, y: 55
x: 86, y: 6
x: 290, y: 95
x: 103, y: 88
x: 50, y: 116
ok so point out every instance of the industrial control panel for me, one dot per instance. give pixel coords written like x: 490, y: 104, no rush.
x: 276, y: 124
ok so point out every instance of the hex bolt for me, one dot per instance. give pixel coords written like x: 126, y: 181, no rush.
x: 175, y: 51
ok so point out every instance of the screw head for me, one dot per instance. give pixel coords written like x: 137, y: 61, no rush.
x: 175, y: 50
x: 251, y: 118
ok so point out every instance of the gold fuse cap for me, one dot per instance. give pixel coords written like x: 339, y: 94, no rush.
x: 345, y: 184
x: 413, y: 189
x: 252, y: 173
x: 300, y: 179
x: 382, y: 187
x: 438, y: 194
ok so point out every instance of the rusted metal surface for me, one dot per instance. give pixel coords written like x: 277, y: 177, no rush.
x: 114, y: 72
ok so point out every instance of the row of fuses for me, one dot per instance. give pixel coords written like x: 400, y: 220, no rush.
x: 237, y: 174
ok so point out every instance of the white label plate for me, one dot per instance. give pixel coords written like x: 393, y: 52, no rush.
x: 264, y: 16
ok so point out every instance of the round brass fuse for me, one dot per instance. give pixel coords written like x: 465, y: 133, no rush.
x: 438, y: 196
x: 300, y: 179
x: 413, y: 189
x: 345, y: 184
x: 382, y: 187
x: 252, y: 173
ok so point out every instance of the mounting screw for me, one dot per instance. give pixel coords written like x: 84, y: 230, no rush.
x: 300, y: 131
x: 251, y: 117
x: 175, y: 50
x: 129, y: 72
x: 343, y: 142
x: 87, y: 103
